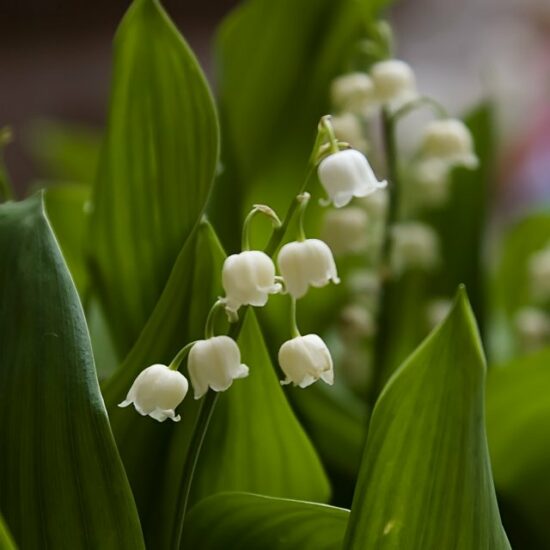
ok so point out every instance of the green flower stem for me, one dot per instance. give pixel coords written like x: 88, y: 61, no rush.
x: 209, y: 325
x: 383, y: 328
x: 417, y: 103
x: 181, y: 355
x: 210, y: 399
x: 257, y: 209
x: 303, y: 199
x: 329, y: 130
x: 293, y: 323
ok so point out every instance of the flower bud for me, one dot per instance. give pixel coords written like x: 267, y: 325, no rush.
x: 345, y: 230
x: 347, y: 174
x: 215, y: 363
x: 156, y: 392
x: 248, y: 278
x: 539, y: 274
x: 415, y: 246
x: 450, y: 141
x: 347, y: 128
x: 306, y: 263
x: 394, y: 82
x: 353, y: 92
x: 304, y: 360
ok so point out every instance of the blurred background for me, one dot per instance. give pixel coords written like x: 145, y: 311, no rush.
x: 55, y: 63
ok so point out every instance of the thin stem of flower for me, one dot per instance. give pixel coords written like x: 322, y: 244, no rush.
x: 181, y: 355
x: 210, y: 320
x: 417, y: 103
x: 326, y: 122
x: 390, y: 147
x: 303, y: 199
x: 257, y: 209
x: 293, y: 323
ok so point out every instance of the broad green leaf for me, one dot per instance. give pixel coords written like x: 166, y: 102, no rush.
x: 156, y: 167
x: 246, y: 521
x: 64, y: 151
x: 6, y: 540
x: 62, y: 484
x: 66, y: 207
x: 425, y: 479
x: 518, y: 427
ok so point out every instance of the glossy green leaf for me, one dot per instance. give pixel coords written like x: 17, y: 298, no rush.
x: 242, y: 521
x: 66, y: 207
x: 425, y: 480
x: 62, y: 484
x: 156, y: 167
x: 518, y: 427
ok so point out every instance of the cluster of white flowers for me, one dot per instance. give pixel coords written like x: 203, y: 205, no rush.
x: 248, y: 279
x: 415, y: 246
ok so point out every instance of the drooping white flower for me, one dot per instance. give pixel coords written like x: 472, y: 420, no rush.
x: 394, y: 82
x: 306, y: 263
x: 353, y: 92
x: 215, y: 363
x: 347, y: 128
x: 304, y: 360
x: 345, y: 230
x: 449, y: 140
x: 414, y: 246
x: 248, y: 278
x: 430, y: 182
x: 539, y: 274
x: 357, y: 322
x: 156, y: 392
x: 533, y: 328
x: 347, y: 174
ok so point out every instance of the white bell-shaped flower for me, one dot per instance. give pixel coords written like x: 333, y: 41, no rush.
x: 539, y: 274
x: 533, y: 328
x: 430, y: 185
x: 414, y: 246
x: 394, y: 82
x: 450, y: 141
x: 248, y: 278
x: 348, y: 129
x: 306, y: 263
x: 347, y: 174
x: 345, y: 230
x: 353, y: 92
x: 156, y: 392
x: 304, y: 360
x: 215, y: 363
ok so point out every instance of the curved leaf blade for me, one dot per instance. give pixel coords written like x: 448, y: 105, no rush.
x: 518, y: 426
x: 243, y: 520
x: 425, y: 479
x: 62, y: 484
x: 156, y: 167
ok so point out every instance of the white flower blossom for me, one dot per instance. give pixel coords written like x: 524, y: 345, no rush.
x: 345, y: 230
x: 156, y: 392
x: 430, y: 182
x: 304, y: 360
x: 394, y: 82
x: 353, y: 92
x: 449, y: 140
x: 357, y: 322
x: 347, y: 174
x: 539, y: 274
x: 414, y: 246
x: 306, y: 263
x: 347, y: 128
x: 248, y: 278
x: 215, y: 363
x: 533, y: 328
